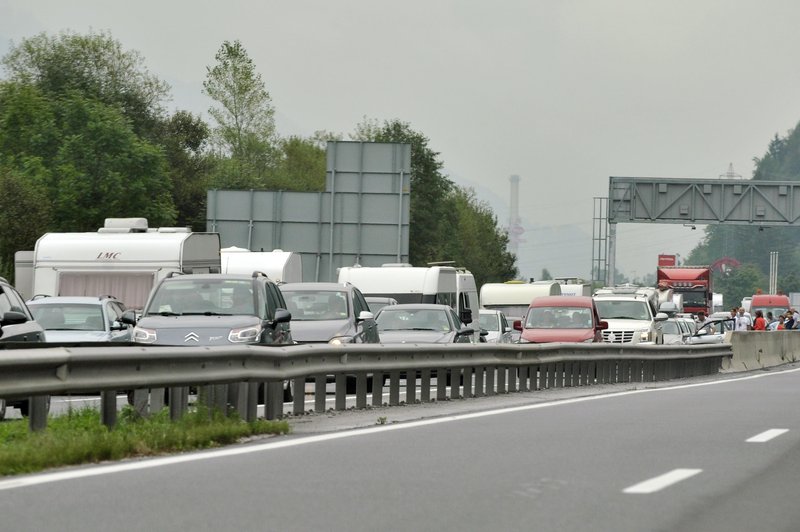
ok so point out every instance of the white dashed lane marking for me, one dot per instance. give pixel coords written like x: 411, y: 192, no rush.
x: 663, y: 481
x: 767, y: 435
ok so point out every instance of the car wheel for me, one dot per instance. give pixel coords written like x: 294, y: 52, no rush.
x: 288, y: 391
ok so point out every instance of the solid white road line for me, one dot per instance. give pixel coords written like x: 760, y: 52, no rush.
x: 91, y: 471
x: 767, y: 435
x: 664, y: 481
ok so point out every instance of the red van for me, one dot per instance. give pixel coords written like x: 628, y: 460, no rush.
x: 561, y: 319
x: 777, y: 304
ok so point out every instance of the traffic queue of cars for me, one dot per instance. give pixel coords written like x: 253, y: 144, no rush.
x: 226, y: 308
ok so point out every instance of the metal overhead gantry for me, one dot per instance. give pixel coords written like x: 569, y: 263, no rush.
x: 698, y: 201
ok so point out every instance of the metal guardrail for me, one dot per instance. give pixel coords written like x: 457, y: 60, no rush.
x: 471, y: 371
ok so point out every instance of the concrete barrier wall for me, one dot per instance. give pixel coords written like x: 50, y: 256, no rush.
x: 759, y: 349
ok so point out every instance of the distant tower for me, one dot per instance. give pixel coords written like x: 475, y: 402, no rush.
x: 730, y: 174
x: 515, y: 229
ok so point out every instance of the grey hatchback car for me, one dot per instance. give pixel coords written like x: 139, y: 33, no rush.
x: 334, y: 313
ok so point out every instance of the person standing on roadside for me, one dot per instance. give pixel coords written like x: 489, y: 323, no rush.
x: 779, y: 326
x: 742, y: 322
x: 759, y: 324
x: 788, y: 321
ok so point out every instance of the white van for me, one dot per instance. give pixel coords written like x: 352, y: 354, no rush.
x: 280, y: 266
x: 416, y: 284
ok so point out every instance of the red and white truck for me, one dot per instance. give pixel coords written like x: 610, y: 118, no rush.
x: 693, y: 282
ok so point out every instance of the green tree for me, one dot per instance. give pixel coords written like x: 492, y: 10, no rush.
x: 245, y: 126
x: 24, y: 213
x: 94, y: 65
x: 302, y: 166
x: 742, y: 282
x: 185, y: 138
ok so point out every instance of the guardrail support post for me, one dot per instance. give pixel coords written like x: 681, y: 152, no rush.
x: 38, y: 408
x: 361, y: 390
x: 320, y: 382
x: 394, y: 388
x: 467, y: 382
x: 377, y: 389
x: 237, y: 399
x: 274, y: 407
x: 425, y: 386
x: 178, y: 402
x: 220, y: 399
x: 108, y: 408
x: 299, y: 399
x: 250, y: 412
x: 441, y: 384
x: 340, y: 403
x: 411, y: 387
x: 501, y: 379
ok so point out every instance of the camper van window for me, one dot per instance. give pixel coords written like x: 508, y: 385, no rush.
x: 446, y: 298
x: 132, y: 288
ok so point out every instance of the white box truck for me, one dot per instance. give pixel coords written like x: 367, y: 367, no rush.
x: 124, y: 258
x: 280, y: 266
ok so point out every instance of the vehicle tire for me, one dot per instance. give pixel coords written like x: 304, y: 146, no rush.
x: 2, y: 409
x: 288, y: 391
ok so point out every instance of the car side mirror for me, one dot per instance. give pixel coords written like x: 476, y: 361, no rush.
x: 518, y: 325
x: 365, y: 315
x: 281, y: 316
x: 117, y: 325
x: 603, y: 325
x: 13, y: 318
x: 484, y: 332
x: 465, y: 331
x: 128, y: 317
x: 466, y: 316
x: 661, y: 316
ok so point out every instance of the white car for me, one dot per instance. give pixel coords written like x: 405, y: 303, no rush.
x: 712, y: 332
x: 494, y: 322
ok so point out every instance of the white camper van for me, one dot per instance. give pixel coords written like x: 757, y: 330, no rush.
x: 280, y: 266
x: 124, y: 258
x: 416, y: 284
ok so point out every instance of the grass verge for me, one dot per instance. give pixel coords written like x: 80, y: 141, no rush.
x: 78, y: 437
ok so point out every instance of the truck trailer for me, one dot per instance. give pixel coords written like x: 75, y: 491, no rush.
x: 124, y: 258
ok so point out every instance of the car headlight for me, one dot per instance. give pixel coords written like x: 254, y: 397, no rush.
x: 144, y: 336
x: 339, y: 340
x: 644, y: 336
x: 245, y: 335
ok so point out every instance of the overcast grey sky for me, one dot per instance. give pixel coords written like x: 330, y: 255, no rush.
x: 563, y: 93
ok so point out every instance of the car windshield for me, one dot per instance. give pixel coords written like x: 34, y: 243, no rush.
x: 413, y: 320
x: 316, y: 305
x: 68, y: 316
x: 210, y: 297
x: 559, y: 318
x: 622, y: 310
x: 489, y: 322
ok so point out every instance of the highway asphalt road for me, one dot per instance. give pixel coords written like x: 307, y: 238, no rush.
x: 709, y: 454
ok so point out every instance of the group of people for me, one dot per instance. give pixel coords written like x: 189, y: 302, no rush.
x: 744, y: 322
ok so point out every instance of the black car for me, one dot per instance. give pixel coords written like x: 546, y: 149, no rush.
x: 214, y: 309
x: 16, y: 325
